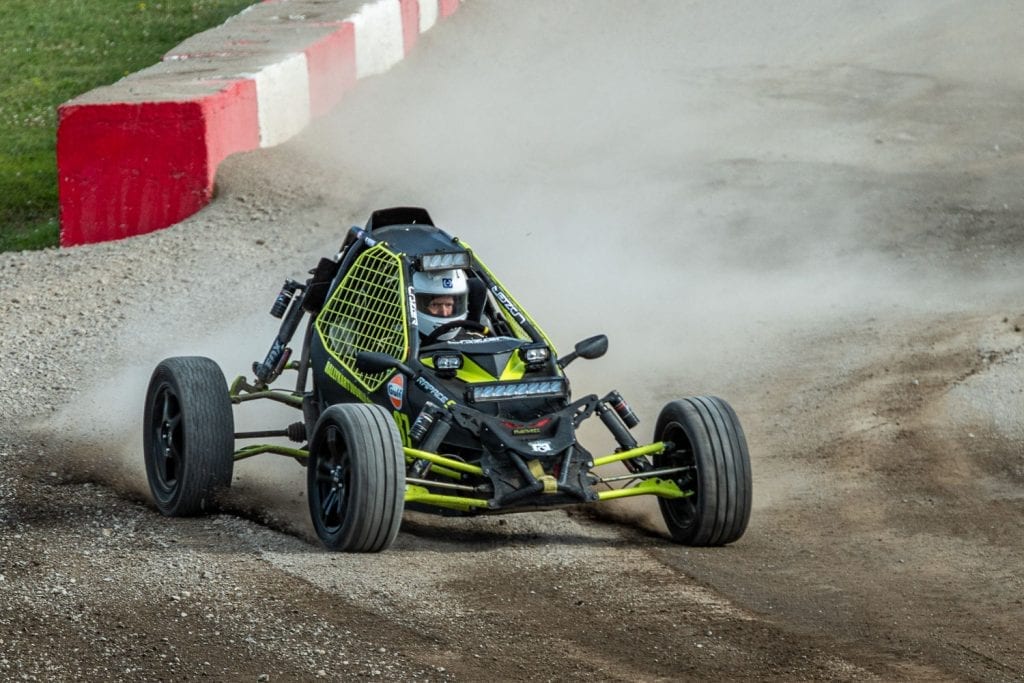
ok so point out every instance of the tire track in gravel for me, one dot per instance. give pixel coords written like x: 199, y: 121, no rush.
x: 891, y: 527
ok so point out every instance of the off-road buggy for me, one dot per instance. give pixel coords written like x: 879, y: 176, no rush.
x: 480, y: 423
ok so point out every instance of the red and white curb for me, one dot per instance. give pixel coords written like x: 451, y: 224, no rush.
x: 142, y: 154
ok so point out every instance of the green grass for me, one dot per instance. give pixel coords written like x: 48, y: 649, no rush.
x: 54, y: 50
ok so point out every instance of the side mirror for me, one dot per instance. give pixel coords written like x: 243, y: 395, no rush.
x: 371, y: 363
x: 590, y: 348
x: 593, y: 347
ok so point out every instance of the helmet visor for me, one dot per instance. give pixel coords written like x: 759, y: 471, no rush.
x: 443, y: 306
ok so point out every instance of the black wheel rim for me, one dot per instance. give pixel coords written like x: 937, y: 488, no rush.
x: 681, y: 511
x: 168, y: 441
x: 333, y: 474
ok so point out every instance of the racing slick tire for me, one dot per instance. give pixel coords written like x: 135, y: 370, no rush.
x: 355, y: 479
x: 707, y: 437
x: 188, y: 435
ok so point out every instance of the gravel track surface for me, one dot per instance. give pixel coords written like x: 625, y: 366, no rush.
x: 813, y: 212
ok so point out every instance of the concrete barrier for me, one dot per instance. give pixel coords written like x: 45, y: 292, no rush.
x: 142, y: 154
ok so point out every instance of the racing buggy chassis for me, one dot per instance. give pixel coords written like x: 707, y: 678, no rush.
x: 475, y: 417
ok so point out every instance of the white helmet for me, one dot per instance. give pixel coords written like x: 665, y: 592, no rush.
x: 429, y: 286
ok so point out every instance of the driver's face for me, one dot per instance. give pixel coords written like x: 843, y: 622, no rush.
x: 441, y: 306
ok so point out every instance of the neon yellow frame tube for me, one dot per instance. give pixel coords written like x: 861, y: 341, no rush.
x: 437, y: 469
x: 450, y: 463
x: 650, y: 449
x: 419, y: 494
x: 257, y: 449
x: 279, y: 396
x: 241, y: 391
x: 662, y: 488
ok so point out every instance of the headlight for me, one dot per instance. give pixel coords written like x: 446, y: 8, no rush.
x: 535, y: 357
x: 444, y: 261
x: 447, y: 361
x: 501, y: 391
x: 446, y: 364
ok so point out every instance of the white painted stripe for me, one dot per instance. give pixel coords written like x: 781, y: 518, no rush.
x: 428, y: 14
x: 282, y: 94
x: 379, y: 43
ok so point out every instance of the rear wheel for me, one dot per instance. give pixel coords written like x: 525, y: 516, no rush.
x: 708, y: 440
x: 356, y: 478
x: 188, y: 433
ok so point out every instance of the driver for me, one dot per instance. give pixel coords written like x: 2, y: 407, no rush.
x: 441, y: 306
x: 441, y: 297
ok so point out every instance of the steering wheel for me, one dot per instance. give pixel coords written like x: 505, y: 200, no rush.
x: 471, y: 325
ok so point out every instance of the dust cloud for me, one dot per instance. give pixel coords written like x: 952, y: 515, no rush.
x: 704, y: 187
x: 708, y: 189
x: 690, y: 181
x: 98, y: 436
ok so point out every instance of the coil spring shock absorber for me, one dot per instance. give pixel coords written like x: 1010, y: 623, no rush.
x: 277, y: 358
x: 619, y: 418
x: 623, y: 409
x: 427, y: 433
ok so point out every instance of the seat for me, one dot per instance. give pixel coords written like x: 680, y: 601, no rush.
x: 476, y: 299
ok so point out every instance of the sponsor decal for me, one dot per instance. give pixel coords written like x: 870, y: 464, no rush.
x: 543, y: 422
x: 520, y: 429
x: 396, y: 391
x: 334, y: 373
x: 413, y: 313
x: 447, y: 283
x: 507, y: 303
x: 540, y: 446
x: 432, y: 390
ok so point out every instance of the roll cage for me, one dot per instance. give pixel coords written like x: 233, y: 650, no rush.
x: 415, y: 243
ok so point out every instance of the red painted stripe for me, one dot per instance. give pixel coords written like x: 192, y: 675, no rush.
x: 232, y: 124
x: 128, y: 169
x: 410, y: 23
x: 448, y: 7
x: 332, y: 68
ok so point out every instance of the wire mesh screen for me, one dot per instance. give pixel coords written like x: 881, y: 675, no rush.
x: 366, y: 312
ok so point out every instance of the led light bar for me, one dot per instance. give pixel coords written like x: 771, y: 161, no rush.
x: 504, y: 391
x: 444, y: 261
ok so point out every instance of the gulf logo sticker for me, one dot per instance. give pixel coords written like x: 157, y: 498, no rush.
x: 396, y: 391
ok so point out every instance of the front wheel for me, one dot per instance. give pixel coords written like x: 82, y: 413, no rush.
x: 188, y: 435
x: 708, y: 442
x: 356, y: 478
